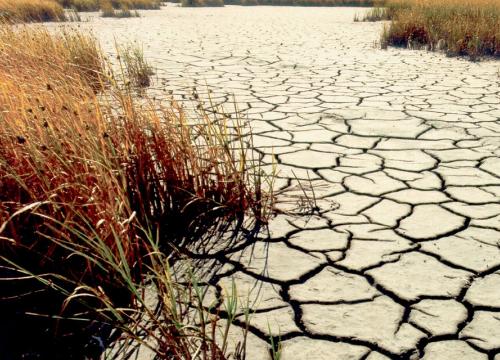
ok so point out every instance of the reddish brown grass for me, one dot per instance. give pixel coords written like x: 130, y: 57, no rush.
x: 92, y: 182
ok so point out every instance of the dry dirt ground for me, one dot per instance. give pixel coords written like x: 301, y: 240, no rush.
x: 402, y: 148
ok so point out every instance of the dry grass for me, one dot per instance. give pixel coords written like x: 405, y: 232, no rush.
x: 303, y: 2
x: 81, y: 5
x: 137, y: 4
x: 461, y: 27
x: 95, y: 5
x: 375, y: 14
x: 137, y: 70
x: 100, y: 193
x: 202, y: 3
x: 107, y: 10
x: 30, y: 10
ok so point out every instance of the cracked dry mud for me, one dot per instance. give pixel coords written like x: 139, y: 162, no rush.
x: 402, y: 147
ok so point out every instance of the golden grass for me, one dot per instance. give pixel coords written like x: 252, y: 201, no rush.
x: 31, y: 10
x: 462, y: 27
x: 50, y: 119
x: 97, y: 190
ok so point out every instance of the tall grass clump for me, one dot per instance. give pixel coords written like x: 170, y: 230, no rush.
x: 107, y: 10
x: 30, y: 10
x: 100, y: 194
x: 460, y: 27
x: 137, y: 70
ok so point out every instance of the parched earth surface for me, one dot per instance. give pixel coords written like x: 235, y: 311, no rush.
x: 401, y: 257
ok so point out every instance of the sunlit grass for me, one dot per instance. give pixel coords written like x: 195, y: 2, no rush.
x: 30, y: 10
x: 461, y: 27
x: 100, y: 193
x: 52, y: 10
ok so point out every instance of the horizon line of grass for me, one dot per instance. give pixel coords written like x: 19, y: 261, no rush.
x: 96, y: 5
x: 321, y: 3
x: 53, y: 10
x: 26, y: 11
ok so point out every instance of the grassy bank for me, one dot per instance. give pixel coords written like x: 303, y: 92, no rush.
x: 53, y: 10
x: 100, y: 194
x: 460, y: 27
x: 30, y: 10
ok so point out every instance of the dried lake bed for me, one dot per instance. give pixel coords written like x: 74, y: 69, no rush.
x: 402, y: 148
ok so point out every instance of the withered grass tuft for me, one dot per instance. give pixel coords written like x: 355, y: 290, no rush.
x: 100, y: 193
x: 137, y: 70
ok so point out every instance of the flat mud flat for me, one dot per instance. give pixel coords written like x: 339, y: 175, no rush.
x: 403, y: 147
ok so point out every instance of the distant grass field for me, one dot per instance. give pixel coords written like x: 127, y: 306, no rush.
x: 53, y: 10
x: 95, y: 5
x: 202, y: 3
x: 356, y: 3
x: 459, y: 27
x: 364, y: 3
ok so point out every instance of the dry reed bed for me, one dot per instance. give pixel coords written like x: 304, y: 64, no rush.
x: 98, y: 195
x: 53, y: 10
x: 461, y: 27
x: 31, y: 10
